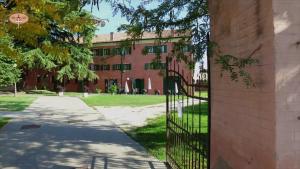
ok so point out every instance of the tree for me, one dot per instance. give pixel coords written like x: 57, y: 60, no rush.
x: 9, y: 72
x: 56, y: 38
x: 189, y: 17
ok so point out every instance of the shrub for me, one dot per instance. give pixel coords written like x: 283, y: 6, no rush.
x: 113, y: 89
x: 98, y: 90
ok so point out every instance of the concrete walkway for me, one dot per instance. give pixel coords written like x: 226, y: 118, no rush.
x: 128, y: 117
x: 64, y: 133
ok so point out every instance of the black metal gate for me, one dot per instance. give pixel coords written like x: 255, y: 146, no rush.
x: 188, y: 118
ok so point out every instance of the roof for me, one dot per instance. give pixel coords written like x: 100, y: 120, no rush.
x: 119, y: 36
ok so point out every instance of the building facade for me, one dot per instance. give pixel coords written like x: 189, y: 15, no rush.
x: 132, y: 65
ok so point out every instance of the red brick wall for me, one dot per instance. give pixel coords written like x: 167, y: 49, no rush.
x: 287, y: 51
x: 137, y: 61
x: 243, y: 119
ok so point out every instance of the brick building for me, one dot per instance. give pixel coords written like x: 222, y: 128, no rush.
x: 138, y: 67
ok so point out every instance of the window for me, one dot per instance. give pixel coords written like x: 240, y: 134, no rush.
x: 95, y: 52
x: 91, y: 67
x: 115, y: 51
x: 157, y: 49
x: 118, y: 51
x: 121, y: 67
x: 104, y: 67
x: 98, y: 52
x: 161, y: 49
x: 147, y: 66
x: 115, y: 67
x: 127, y: 66
x: 149, y: 49
x: 186, y: 48
x: 128, y: 51
x: 106, y: 52
x: 164, y: 49
x: 96, y: 67
x: 154, y: 66
x: 96, y: 81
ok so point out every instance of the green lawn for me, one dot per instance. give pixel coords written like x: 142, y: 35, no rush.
x: 153, y: 135
x: 202, y: 94
x: 19, y: 103
x: 3, y: 121
x: 123, y: 100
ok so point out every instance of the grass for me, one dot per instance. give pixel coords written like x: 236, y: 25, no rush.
x: 41, y: 92
x: 19, y: 103
x: 4, y: 121
x: 202, y: 94
x: 153, y: 135
x: 123, y: 100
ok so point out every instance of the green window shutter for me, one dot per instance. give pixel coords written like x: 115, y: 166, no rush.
x: 155, y: 49
x: 146, y: 49
x: 113, y: 51
x: 96, y: 67
x: 95, y: 52
x: 100, y: 52
x: 106, y: 52
x: 107, y: 67
x: 129, y: 50
x: 163, y: 65
x: 151, y: 66
x: 165, y: 49
x: 151, y: 49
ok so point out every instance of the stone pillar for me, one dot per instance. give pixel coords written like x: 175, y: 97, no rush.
x: 287, y: 56
x: 257, y: 128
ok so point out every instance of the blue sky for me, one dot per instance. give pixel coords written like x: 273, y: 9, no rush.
x: 105, y: 12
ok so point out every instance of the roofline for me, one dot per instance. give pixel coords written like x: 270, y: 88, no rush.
x: 177, y: 37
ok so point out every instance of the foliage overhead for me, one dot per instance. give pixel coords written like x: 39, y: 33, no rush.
x: 57, y: 37
x: 186, y: 17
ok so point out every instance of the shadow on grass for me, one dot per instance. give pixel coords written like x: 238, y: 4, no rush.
x: 10, y: 103
x: 152, y: 137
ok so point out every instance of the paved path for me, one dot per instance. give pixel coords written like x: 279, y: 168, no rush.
x: 128, y: 117
x: 64, y: 133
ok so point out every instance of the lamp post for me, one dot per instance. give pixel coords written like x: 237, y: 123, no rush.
x: 122, y: 67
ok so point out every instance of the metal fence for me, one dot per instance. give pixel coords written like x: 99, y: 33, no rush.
x: 188, y: 119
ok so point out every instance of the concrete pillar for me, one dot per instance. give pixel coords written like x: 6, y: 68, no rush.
x: 257, y: 128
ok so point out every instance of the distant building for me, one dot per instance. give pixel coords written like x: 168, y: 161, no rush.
x: 110, y: 59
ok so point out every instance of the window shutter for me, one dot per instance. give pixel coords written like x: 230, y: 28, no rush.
x: 100, y: 52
